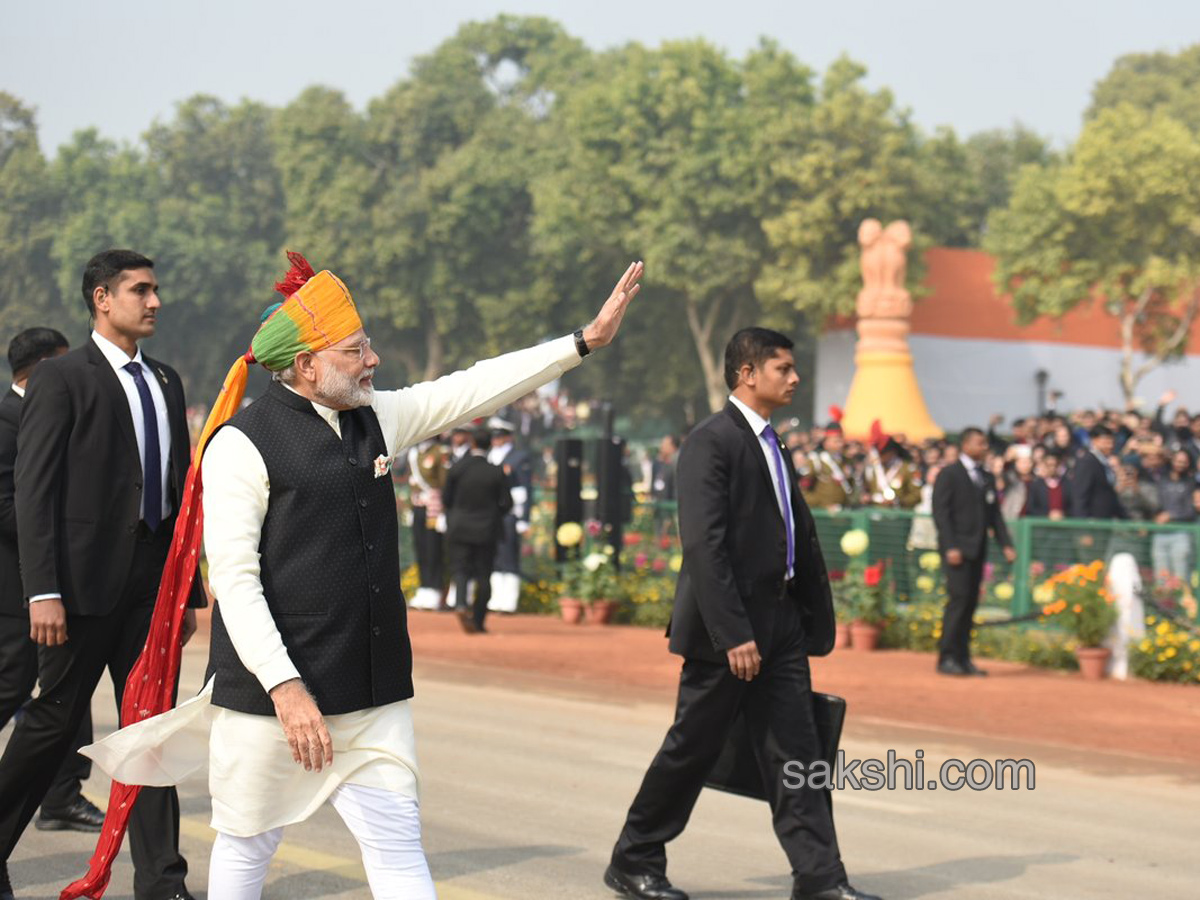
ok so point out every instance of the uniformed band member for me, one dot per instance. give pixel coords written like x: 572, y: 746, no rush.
x: 518, y: 467
x: 427, y: 466
x: 829, y: 481
x: 890, y: 479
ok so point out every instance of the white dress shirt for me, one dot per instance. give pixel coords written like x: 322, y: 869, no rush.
x: 118, y: 359
x: 19, y: 390
x: 757, y: 424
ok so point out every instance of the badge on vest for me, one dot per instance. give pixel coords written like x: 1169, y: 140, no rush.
x: 991, y: 497
x: 383, y: 465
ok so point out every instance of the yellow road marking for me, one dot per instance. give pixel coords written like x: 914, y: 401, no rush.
x: 319, y: 861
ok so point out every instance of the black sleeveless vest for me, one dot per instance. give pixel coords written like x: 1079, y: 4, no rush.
x: 330, y: 562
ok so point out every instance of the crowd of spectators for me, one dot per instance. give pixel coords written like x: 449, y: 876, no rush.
x: 1090, y: 464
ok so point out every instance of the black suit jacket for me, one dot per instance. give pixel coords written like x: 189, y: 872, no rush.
x: 12, y: 600
x: 476, y: 497
x: 735, y: 550
x: 1091, y: 496
x: 79, y: 479
x: 965, y: 513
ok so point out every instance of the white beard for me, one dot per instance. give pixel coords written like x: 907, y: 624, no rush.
x: 338, y: 390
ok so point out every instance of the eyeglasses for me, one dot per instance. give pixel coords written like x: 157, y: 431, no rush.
x: 360, y: 349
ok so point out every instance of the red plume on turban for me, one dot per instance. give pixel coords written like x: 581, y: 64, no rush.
x: 297, y: 275
x: 879, y: 438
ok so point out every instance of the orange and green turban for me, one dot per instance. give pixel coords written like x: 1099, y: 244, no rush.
x: 318, y: 312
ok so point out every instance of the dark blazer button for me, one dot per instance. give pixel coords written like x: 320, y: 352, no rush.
x: 352, y: 461
x: 375, y: 589
x: 375, y: 630
x: 132, y: 528
x: 370, y: 546
x: 363, y: 502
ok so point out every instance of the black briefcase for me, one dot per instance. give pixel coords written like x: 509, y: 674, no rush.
x: 736, y: 771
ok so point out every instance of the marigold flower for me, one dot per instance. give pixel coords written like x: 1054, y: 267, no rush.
x: 569, y: 534
x: 855, y: 542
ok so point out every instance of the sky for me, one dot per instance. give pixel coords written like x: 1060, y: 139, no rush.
x: 119, y: 65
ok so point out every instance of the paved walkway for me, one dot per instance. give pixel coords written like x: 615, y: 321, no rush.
x: 1015, y: 702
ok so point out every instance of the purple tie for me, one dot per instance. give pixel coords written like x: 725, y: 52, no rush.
x: 152, y: 463
x: 773, y: 439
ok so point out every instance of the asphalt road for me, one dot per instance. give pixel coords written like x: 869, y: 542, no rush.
x: 526, y: 781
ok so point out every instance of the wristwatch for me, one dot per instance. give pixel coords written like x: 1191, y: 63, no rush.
x: 581, y: 344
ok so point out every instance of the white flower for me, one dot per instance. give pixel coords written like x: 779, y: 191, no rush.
x: 383, y: 465
x: 855, y: 542
x: 594, y: 561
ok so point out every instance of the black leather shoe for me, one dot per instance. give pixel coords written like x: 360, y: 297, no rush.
x: 842, y: 892
x: 466, y: 621
x: 643, y: 887
x: 950, y: 667
x: 973, y: 669
x: 6, y: 891
x: 181, y: 894
x: 82, y: 815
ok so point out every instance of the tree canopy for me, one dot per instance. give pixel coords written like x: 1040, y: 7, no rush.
x: 490, y: 197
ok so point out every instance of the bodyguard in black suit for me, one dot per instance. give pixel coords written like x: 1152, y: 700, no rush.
x: 1093, y: 483
x: 477, y: 496
x: 102, y: 456
x: 752, y: 603
x: 64, y: 807
x: 965, y: 509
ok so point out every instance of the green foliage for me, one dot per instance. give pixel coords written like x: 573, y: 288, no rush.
x: 490, y: 197
x: 1164, y: 82
x: 1117, y: 219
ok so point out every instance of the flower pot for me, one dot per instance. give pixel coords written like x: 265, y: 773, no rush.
x: 571, y: 609
x: 1092, y: 661
x: 864, y: 635
x: 841, y: 636
x: 600, y: 612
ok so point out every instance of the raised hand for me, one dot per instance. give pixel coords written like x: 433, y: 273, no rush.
x: 603, y: 328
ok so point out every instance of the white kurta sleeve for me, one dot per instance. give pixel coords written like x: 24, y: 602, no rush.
x: 415, y: 413
x: 236, y: 492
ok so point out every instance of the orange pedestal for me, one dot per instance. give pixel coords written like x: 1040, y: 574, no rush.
x: 885, y: 387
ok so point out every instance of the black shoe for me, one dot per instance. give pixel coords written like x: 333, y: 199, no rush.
x: 643, y: 887
x: 973, y: 669
x: 181, y: 894
x: 465, y: 620
x: 951, y: 667
x: 82, y: 815
x: 842, y: 891
x: 6, y: 891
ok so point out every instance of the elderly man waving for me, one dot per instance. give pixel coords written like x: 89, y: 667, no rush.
x: 311, y: 665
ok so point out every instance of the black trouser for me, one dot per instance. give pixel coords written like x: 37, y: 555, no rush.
x: 427, y: 545
x: 68, y: 675
x: 18, y: 675
x: 962, y: 586
x: 473, y: 562
x: 778, y: 708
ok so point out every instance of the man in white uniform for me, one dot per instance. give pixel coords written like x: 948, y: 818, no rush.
x: 309, y: 628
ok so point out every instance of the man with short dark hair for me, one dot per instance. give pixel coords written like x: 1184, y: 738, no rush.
x: 965, y: 509
x: 1093, y: 493
x: 751, y: 605
x: 477, y: 496
x: 64, y: 807
x: 102, y: 455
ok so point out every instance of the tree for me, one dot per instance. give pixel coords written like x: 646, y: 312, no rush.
x: 1116, y: 222
x: 28, y: 212
x: 203, y: 199
x: 424, y: 201
x: 1164, y: 82
x: 652, y: 159
x: 854, y: 155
